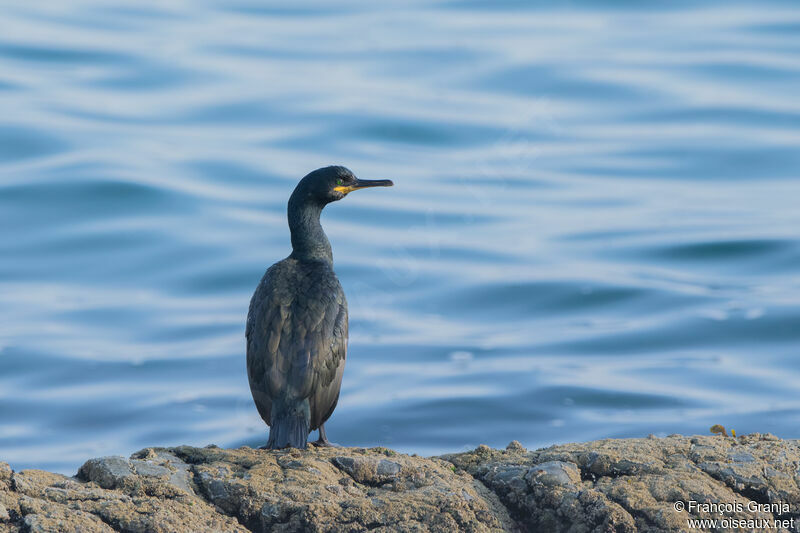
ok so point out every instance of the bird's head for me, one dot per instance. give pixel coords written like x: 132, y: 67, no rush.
x: 329, y: 184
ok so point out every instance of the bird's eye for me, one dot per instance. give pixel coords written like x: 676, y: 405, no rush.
x: 339, y: 181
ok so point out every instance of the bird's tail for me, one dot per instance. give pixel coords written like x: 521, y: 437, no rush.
x: 290, y: 425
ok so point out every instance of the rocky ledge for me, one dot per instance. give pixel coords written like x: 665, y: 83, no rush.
x: 609, y: 485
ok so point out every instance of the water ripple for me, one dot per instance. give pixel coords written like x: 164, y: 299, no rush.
x: 592, y: 233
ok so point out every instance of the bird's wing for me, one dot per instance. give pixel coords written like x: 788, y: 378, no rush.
x: 328, y: 368
x: 265, y: 322
x: 297, y: 341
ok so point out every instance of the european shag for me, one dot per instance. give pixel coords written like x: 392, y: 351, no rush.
x: 297, y: 323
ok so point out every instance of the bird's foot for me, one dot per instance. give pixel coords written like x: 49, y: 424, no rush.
x: 324, y: 443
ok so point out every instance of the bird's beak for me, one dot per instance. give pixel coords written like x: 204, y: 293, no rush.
x: 363, y: 184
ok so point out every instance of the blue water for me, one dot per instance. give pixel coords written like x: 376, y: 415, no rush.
x: 593, y: 231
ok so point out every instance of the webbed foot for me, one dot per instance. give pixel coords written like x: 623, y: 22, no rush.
x: 324, y: 443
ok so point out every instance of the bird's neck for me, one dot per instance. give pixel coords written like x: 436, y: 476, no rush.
x: 309, y: 242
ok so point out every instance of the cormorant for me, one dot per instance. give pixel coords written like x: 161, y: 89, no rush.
x: 297, y: 323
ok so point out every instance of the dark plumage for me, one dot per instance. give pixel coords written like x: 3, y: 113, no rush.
x: 297, y: 323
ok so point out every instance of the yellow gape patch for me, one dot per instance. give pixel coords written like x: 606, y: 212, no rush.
x: 344, y: 189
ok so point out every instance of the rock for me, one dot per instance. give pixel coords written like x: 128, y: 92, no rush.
x: 515, y: 446
x: 335, y: 489
x: 6, y: 477
x: 155, y: 472
x: 552, y: 473
x: 368, y: 470
x: 633, y: 484
x: 48, y: 517
x: 161, y: 464
x: 483, y: 449
x: 628, y: 485
x: 5, y: 471
x: 108, y: 472
x: 45, y: 502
